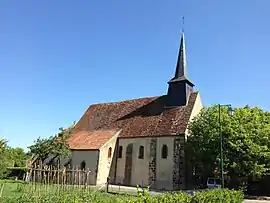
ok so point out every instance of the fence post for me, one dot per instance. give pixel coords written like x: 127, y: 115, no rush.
x: 2, y: 189
x: 107, y: 184
x: 86, y: 178
x: 35, y: 167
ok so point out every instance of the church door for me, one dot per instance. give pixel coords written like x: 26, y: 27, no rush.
x: 128, y: 164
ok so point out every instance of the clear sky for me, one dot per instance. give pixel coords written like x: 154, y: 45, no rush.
x: 58, y: 57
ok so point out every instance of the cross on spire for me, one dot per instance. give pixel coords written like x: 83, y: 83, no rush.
x: 183, y: 23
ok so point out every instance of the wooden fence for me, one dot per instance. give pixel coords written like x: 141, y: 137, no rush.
x: 56, y: 175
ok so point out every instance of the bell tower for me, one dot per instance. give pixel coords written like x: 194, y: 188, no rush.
x: 180, y: 86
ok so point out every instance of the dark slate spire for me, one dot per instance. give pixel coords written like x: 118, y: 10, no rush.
x: 181, y: 66
x: 180, y: 86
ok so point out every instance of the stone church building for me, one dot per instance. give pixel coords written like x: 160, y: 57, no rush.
x: 139, y: 141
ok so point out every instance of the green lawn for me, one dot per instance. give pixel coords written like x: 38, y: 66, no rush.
x: 14, y: 192
x: 10, y: 188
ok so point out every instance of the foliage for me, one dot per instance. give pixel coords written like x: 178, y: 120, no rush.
x: 10, y: 157
x: 5, y: 162
x: 18, y: 156
x: 3, y: 144
x: 218, y: 195
x: 246, y: 141
x: 55, y: 145
x: 174, y: 197
x: 57, y: 194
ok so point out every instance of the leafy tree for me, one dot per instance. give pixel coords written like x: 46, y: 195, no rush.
x: 246, y: 141
x: 5, y: 162
x: 10, y: 157
x: 53, y: 146
x: 3, y: 144
x: 17, y: 156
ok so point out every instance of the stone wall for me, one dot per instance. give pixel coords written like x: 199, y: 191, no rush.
x: 152, y: 162
x: 178, y: 164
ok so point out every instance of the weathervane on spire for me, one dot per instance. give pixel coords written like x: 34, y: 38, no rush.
x: 183, y: 23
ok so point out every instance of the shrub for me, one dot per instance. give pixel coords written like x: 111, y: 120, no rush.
x: 218, y: 195
x: 174, y: 197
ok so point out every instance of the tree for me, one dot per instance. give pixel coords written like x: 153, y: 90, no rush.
x: 246, y: 139
x: 3, y: 144
x: 53, y: 146
x: 5, y: 162
x: 17, y: 156
x: 10, y: 157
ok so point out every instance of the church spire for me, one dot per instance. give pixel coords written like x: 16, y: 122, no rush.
x: 181, y: 66
x: 180, y: 86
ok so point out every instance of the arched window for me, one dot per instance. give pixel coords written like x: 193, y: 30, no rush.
x: 141, y: 152
x: 164, y: 152
x: 83, y: 165
x: 120, y: 151
x: 110, y: 152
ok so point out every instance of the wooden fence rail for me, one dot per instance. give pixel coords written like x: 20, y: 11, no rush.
x: 57, y: 175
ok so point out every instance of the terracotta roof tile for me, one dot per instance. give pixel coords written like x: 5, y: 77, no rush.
x: 90, y: 140
x: 138, y: 118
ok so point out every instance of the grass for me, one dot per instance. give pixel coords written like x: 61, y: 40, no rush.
x: 17, y: 191
x: 18, y: 188
x: 23, y: 192
x: 10, y: 187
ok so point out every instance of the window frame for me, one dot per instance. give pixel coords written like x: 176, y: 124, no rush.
x: 120, y: 152
x: 109, y: 156
x: 141, y: 152
x: 83, y: 165
x: 164, y: 151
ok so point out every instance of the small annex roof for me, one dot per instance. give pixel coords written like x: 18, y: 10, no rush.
x: 90, y: 140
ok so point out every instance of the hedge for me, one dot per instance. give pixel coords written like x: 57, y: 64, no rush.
x: 79, y: 196
x: 218, y: 195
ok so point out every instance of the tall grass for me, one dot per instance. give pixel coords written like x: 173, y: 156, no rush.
x: 55, y: 194
x: 40, y: 193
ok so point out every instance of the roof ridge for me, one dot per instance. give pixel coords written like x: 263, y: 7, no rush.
x: 127, y: 100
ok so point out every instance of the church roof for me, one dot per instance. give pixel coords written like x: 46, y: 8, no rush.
x: 90, y: 140
x: 144, y: 117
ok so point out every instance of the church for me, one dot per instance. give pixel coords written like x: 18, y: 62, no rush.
x: 140, y: 141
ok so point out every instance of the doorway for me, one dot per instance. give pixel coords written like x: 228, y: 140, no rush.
x: 128, y: 165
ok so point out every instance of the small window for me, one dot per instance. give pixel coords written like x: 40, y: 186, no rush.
x: 164, y: 152
x: 83, y: 165
x: 120, y: 151
x: 110, y: 152
x: 141, y: 152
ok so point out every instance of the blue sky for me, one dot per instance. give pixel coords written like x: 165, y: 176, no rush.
x: 58, y: 57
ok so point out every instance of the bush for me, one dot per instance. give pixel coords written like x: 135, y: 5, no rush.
x: 174, y: 197
x: 218, y: 195
x: 207, y: 196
